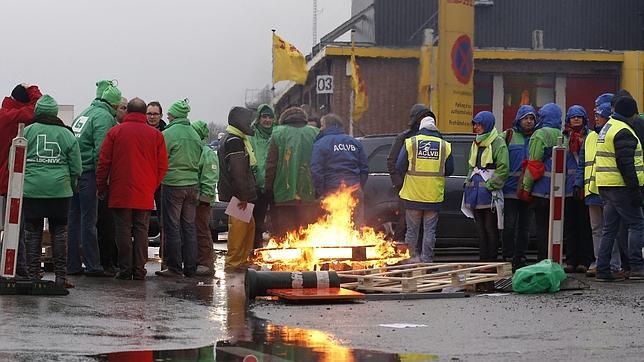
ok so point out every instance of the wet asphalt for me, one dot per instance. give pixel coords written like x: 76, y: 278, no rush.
x: 209, y: 319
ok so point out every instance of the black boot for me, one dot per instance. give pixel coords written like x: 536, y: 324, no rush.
x: 59, y: 251
x: 33, y: 246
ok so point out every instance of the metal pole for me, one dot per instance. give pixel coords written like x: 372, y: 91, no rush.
x: 558, y: 175
x: 352, y: 99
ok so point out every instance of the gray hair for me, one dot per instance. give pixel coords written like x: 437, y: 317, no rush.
x: 332, y: 119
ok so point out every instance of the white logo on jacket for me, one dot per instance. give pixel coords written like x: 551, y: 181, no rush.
x: 344, y: 147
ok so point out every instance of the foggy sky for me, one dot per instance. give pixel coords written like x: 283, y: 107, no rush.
x: 206, y: 51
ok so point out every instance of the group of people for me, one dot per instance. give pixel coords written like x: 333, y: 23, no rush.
x: 97, y: 181
x: 508, y: 181
x: 121, y: 155
x: 283, y: 168
x: 119, y: 160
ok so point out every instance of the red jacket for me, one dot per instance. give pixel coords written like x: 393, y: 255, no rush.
x: 133, y: 161
x: 12, y: 113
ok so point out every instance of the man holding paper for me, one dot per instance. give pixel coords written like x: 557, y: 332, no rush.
x: 237, y: 186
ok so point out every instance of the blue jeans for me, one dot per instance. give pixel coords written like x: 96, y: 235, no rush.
x: 429, y: 218
x: 618, y: 208
x: 82, y: 227
x: 180, y: 240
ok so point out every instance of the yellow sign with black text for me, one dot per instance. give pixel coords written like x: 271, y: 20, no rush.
x: 455, y: 65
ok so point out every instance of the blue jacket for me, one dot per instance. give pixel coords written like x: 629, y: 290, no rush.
x: 518, y: 151
x: 544, y: 139
x: 573, y: 160
x: 402, y: 165
x: 337, y: 157
x: 477, y: 192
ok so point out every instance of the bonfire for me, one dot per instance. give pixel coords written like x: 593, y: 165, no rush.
x: 332, y: 243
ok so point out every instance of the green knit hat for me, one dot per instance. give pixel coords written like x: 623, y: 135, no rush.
x: 46, y: 106
x: 101, y: 86
x: 201, y: 128
x: 180, y: 109
x: 112, y: 95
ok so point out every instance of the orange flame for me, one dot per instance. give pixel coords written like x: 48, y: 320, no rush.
x: 332, y: 242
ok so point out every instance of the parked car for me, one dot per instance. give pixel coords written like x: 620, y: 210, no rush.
x: 381, y: 199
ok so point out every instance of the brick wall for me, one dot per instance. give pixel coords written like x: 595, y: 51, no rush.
x: 391, y: 87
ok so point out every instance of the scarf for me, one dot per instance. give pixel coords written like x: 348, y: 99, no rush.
x: 262, y: 132
x: 483, y: 140
x: 52, y: 121
x: 249, y: 148
x: 576, y: 138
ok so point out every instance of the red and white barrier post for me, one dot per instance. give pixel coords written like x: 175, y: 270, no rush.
x: 557, y: 198
x: 13, y: 214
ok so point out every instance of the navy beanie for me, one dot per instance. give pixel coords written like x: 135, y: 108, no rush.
x: 20, y: 94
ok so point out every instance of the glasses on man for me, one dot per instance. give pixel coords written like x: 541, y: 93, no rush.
x: 153, y: 114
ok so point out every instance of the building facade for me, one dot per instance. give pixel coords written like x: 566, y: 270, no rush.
x: 556, y: 51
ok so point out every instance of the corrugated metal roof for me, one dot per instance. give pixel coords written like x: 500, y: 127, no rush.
x: 566, y: 24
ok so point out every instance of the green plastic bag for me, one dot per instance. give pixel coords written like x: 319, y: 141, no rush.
x: 542, y: 277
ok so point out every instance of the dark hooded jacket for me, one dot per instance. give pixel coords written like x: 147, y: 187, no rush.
x: 337, y: 158
x: 235, y: 173
x: 625, y: 145
x: 517, y: 149
x: 416, y: 114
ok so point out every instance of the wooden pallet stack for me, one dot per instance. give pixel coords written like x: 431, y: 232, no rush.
x: 424, y: 277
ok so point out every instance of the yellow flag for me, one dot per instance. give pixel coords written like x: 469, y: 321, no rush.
x: 424, y: 75
x: 360, y: 100
x: 288, y: 62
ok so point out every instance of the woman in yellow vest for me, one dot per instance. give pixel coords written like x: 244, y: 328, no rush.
x: 488, y: 168
x: 586, y: 187
x: 619, y: 166
x: 424, y: 161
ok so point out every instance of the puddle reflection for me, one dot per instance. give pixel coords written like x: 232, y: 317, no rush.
x: 253, y: 338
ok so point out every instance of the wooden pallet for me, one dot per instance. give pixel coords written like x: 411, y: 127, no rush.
x: 423, y: 277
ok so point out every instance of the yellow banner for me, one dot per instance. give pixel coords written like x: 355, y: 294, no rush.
x: 424, y: 75
x: 288, y: 62
x: 455, y: 65
x: 360, y: 99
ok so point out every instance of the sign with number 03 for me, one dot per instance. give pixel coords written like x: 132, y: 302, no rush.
x: 324, y: 84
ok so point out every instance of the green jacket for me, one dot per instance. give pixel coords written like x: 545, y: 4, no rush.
x: 208, y: 174
x: 260, y: 142
x: 53, y: 161
x: 288, y: 166
x: 501, y: 159
x: 184, y: 152
x: 90, y: 127
x: 540, y: 140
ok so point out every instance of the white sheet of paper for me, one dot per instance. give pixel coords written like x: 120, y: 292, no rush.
x: 234, y: 211
x: 403, y: 325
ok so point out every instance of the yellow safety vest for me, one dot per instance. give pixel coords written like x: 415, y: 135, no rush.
x: 425, y: 177
x: 590, y: 149
x: 607, y: 173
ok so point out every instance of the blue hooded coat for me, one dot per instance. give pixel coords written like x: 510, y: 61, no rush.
x: 518, y: 151
x: 547, y: 130
x: 572, y: 159
x: 337, y: 157
x: 477, y: 191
